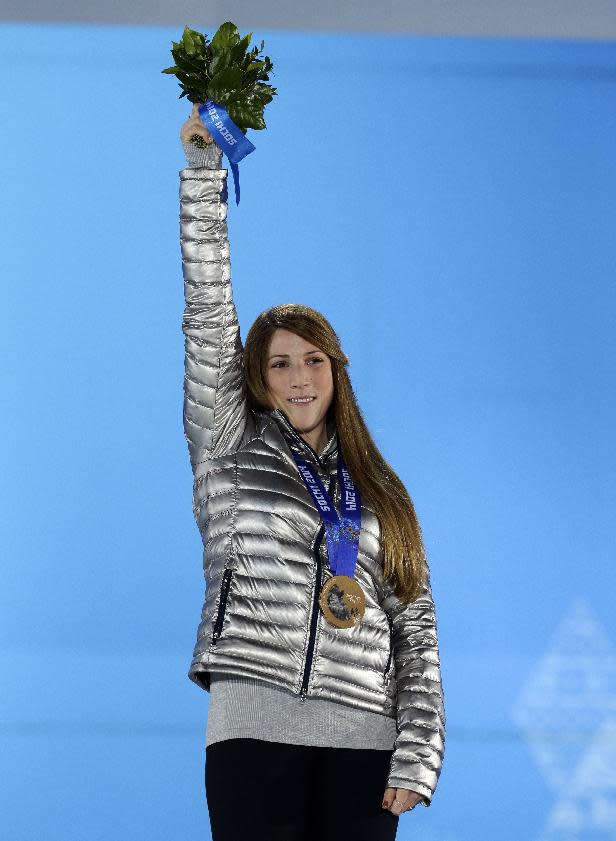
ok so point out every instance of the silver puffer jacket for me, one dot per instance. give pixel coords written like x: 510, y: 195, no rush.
x: 265, y: 558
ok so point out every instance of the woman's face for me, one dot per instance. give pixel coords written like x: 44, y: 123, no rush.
x: 296, y: 368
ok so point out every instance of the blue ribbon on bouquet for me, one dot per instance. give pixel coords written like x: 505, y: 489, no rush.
x: 228, y: 136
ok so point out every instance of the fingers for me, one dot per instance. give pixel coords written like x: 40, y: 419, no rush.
x: 402, y: 804
x: 388, y: 797
x: 188, y: 130
x: 400, y: 800
x: 194, y: 125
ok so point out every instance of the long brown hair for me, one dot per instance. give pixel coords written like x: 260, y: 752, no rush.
x: 405, y: 565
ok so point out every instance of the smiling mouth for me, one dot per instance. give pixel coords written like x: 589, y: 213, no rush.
x: 299, y: 401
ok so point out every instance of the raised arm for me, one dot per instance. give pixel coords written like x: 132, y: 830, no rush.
x: 420, y: 745
x: 215, y: 408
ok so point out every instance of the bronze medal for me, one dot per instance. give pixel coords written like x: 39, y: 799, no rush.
x: 342, y: 601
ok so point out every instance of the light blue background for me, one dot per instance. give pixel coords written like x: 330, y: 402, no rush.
x: 449, y: 204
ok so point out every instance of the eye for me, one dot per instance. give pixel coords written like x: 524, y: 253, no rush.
x: 282, y: 362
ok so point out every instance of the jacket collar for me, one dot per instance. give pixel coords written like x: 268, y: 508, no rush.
x: 303, y: 448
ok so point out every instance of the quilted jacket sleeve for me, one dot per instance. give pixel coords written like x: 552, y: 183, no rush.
x: 420, y: 745
x: 214, y: 410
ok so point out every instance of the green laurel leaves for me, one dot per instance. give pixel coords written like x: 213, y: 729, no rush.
x: 225, y: 70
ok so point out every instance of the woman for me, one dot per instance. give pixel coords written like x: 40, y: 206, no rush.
x: 318, y: 638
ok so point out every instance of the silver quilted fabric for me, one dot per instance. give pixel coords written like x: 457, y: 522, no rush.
x: 264, y: 552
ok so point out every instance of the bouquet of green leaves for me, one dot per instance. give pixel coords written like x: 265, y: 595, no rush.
x: 226, y: 71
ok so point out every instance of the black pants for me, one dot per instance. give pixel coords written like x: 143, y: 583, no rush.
x: 269, y: 791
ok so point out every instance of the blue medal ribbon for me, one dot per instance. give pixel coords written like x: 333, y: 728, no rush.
x: 229, y: 137
x: 342, y: 531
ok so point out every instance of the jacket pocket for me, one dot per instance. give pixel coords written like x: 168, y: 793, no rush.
x: 222, y: 604
x: 388, y: 666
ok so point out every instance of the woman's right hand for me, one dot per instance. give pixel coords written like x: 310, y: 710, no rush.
x: 194, y: 125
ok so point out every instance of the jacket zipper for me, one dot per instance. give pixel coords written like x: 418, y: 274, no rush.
x: 314, y: 618
x: 389, y: 620
x: 222, y: 605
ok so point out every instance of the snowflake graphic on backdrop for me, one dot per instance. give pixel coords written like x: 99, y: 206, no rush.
x: 567, y: 712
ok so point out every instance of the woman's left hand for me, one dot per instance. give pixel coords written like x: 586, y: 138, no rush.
x: 399, y: 800
x: 195, y: 125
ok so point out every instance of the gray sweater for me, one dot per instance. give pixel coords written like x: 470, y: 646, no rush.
x: 244, y: 707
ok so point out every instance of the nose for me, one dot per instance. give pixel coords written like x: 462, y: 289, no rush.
x: 299, y: 376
